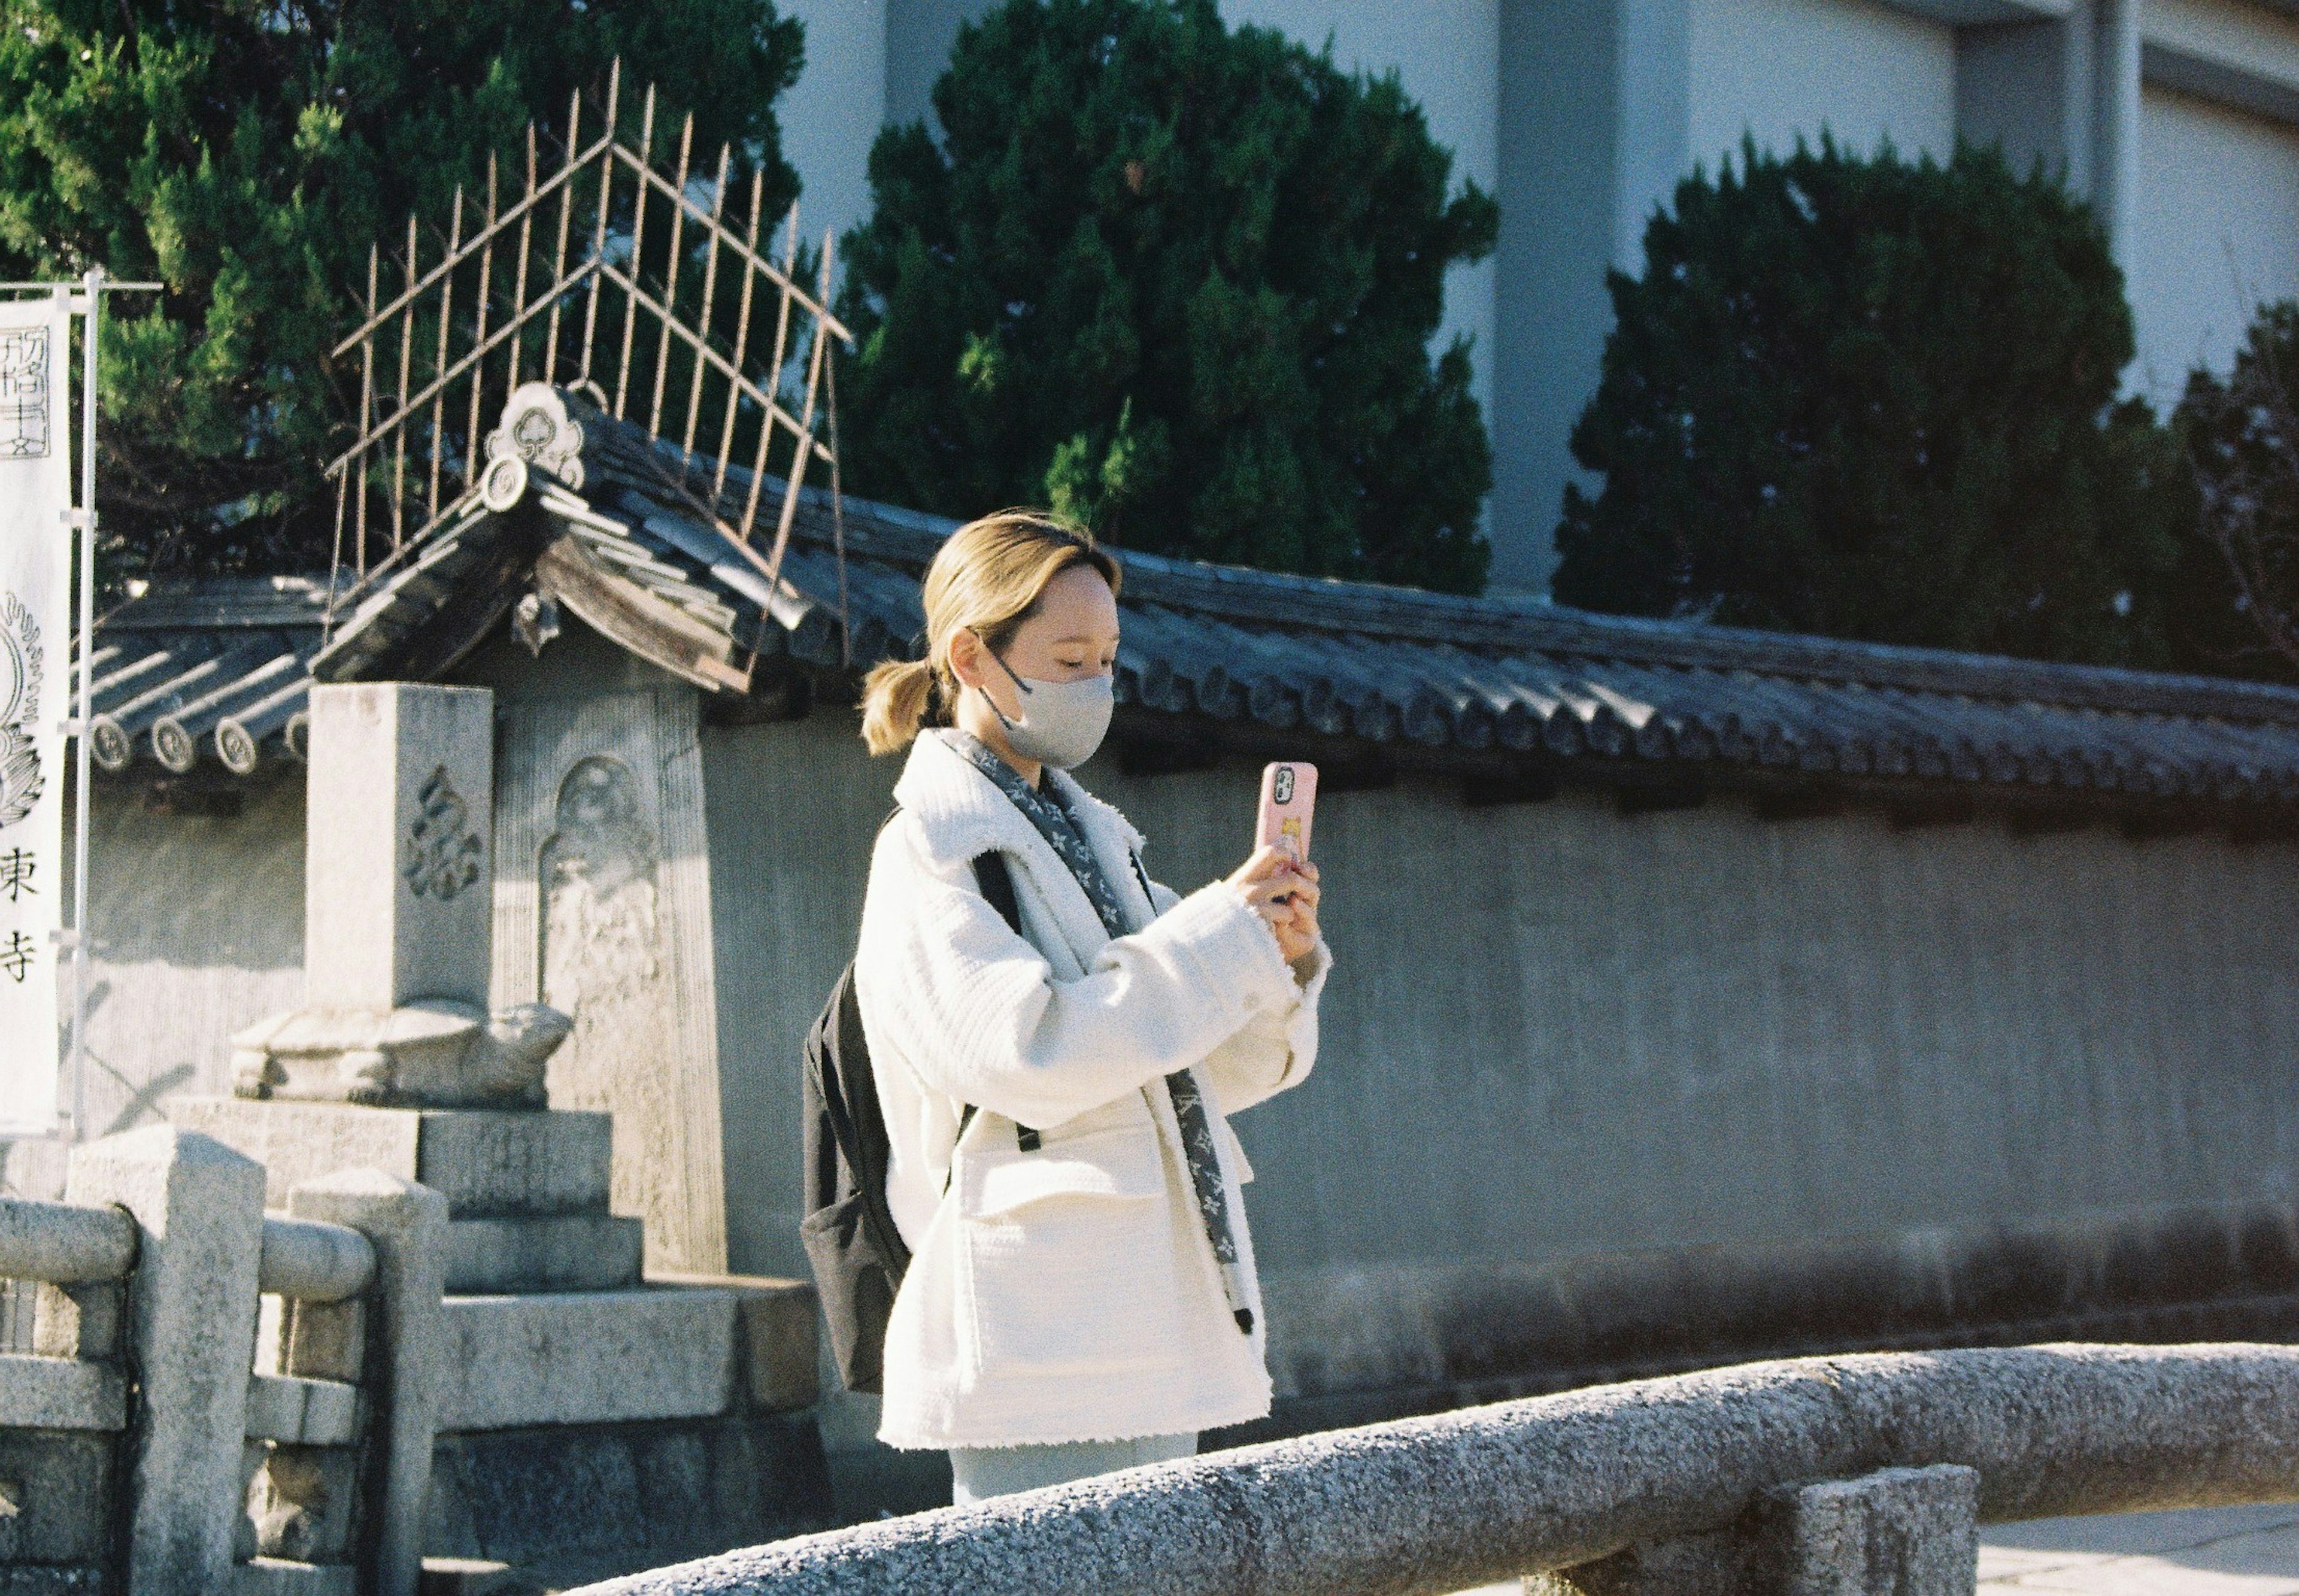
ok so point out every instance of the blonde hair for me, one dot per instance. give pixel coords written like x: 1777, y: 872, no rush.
x: 987, y: 579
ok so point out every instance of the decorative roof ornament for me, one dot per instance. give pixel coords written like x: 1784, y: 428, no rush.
x: 613, y: 277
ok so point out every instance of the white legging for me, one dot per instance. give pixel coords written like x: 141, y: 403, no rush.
x: 978, y: 1473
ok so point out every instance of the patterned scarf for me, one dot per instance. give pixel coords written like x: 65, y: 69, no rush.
x: 1047, y: 810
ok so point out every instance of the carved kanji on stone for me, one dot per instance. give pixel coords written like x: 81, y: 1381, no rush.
x: 443, y: 853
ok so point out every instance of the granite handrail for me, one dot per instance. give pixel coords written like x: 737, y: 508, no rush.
x: 65, y: 1244
x: 314, y: 1261
x: 1461, y: 1498
x: 69, y: 1244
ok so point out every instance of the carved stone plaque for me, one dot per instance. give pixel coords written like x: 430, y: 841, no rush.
x: 604, y: 912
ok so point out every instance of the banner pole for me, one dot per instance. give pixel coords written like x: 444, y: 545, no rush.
x: 91, y: 327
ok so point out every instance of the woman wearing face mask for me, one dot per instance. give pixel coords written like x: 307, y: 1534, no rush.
x: 1082, y: 1294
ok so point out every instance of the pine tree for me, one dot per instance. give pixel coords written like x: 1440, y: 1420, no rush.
x: 247, y: 152
x: 1180, y: 280
x: 1877, y: 399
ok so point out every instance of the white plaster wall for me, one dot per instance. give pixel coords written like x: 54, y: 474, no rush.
x: 1779, y: 68
x: 2218, y: 233
x: 1448, y: 53
x: 1565, y: 159
x: 197, y: 926
x: 832, y: 114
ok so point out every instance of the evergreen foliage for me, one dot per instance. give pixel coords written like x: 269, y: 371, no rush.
x: 2240, y: 609
x: 1177, y: 280
x: 1877, y: 399
x: 247, y: 152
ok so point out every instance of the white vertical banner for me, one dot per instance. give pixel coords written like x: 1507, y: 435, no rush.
x: 36, y: 632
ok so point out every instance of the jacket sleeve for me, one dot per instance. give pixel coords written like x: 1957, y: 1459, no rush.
x: 1277, y: 1047
x: 977, y: 1013
x: 1273, y: 1051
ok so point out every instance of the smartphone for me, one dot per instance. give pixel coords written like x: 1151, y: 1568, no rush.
x: 1289, y: 800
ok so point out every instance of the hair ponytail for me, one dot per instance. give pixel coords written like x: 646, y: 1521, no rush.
x: 896, y: 698
x: 987, y: 579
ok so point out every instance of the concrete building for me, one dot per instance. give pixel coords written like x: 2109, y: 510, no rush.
x: 2180, y: 118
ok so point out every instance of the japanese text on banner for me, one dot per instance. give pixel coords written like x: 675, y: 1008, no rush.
x: 34, y: 660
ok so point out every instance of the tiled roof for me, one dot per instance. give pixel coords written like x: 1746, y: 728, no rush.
x: 1210, y: 652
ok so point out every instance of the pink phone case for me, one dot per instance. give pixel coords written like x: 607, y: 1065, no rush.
x: 1289, y: 800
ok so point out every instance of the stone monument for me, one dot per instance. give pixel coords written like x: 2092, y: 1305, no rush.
x: 396, y: 961
x: 394, y: 1062
x: 558, y: 1367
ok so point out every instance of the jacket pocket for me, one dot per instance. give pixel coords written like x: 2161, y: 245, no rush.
x: 1069, y: 1257
x: 1114, y: 1164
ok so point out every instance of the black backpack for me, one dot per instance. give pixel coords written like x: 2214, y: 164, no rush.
x: 859, y: 1256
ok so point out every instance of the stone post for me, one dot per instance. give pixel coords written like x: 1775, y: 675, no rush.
x: 198, y: 1207
x: 407, y: 1224
x: 1899, y: 1532
x: 398, y: 878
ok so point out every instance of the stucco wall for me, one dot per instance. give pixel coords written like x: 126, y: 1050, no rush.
x: 1553, y: 1029
x: 198, y: 924
x: 792, y: 811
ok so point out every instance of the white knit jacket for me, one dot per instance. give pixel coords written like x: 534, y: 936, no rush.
x: 1067, y: 1293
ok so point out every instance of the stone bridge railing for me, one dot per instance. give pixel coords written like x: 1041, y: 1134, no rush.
x: 1843, y: 1476
x: 208, y: 1405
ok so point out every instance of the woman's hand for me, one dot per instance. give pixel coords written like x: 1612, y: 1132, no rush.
x: 1271, y: 874
x: 1299, y: 939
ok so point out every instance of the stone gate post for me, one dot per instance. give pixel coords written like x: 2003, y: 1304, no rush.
x: 408, y: 1224
x: 198, y: 1207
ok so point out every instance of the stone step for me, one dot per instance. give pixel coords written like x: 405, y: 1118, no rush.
x: 462, y: 1576
x: 572, y: 1358
x: 486, y: 1162
x: 51, y: 1579
x: 566, y: 1505
x: 556, y: 1253
x: 775, y: 1329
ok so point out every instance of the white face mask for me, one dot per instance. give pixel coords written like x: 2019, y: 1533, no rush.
x: 1062, y: 723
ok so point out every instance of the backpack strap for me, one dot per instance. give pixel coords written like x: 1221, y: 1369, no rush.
x: 996, y: 879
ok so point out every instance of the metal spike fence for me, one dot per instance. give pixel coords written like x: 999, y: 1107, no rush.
x: 645, y: 288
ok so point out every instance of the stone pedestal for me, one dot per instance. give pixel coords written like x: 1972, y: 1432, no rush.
x: 525, y: 1192
x: 527, y: 1164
